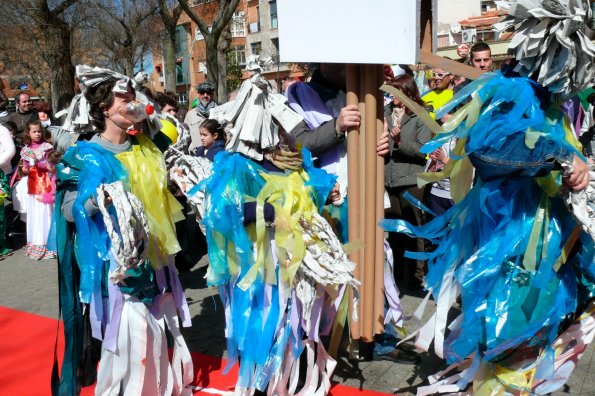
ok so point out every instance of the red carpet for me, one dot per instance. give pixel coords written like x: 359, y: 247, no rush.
x: 26, y: 357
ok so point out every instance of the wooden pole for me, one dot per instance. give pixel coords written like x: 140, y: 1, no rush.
x: 370, y: 200
x: 379, y: 247
x: 353, y: 184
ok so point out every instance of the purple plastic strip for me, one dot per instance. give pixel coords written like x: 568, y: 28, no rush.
x: 116, y: 303
x: 179, y: 297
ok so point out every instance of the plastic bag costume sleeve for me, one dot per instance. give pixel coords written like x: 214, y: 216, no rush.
x: 526, y: 271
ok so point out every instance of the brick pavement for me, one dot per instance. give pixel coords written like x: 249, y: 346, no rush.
x: 31, y: 286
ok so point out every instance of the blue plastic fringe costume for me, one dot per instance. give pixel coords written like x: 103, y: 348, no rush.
x: 282, y: 286
x: 282, y: 273
x: 126, y: 315
x: 522, y: 266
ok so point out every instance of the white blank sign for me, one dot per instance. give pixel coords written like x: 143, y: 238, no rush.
x: 349, y: 31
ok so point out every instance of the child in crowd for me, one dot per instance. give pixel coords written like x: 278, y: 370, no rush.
x: 34, y: 164
x: 212, y: 137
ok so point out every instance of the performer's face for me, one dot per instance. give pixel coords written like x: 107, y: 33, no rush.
x: 115, y: 111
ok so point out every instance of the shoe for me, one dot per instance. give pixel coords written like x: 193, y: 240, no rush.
x: 400, y: 356
x: 6, y: 252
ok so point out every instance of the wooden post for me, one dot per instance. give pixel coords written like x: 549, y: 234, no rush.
x: 426, y: 25
x: 379, y: 247
x: 366, y: 198
x: 370, y: 200
x: 353, y: 185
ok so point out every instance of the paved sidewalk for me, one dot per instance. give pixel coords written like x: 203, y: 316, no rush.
x: 31, y: 286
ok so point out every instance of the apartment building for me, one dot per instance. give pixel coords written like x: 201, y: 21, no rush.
x: 253, y: 30
x: 263, y: 39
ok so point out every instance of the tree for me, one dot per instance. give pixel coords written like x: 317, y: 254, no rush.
x: 20, y: 59
x: 170, y: 11
x: 225, y: 11
x: 124, y: 30
x: 49, y: 26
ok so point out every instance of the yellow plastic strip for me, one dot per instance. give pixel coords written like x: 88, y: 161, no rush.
x: 417, y: 109
x: 567, y: 248
x: 530, y: 256
x: 339, y: 325
x: 147, y: 178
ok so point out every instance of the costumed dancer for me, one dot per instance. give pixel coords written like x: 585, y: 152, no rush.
x: 281, y: 271
x: 116, y: 240
x: 34, y: 165
x: 521, y: 262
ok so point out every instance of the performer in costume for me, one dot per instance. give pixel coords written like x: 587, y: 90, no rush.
x: 521, y: 262
x: 281, y: 271
x: 116, y: 241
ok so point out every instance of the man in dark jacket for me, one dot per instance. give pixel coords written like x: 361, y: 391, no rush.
x: 24, y: 113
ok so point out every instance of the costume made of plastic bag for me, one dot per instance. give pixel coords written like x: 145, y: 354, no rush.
x: 516, y: 248
x: 119, y: 289
x: 282, y: 285
x: 526, y: 271
x: 282, y: 274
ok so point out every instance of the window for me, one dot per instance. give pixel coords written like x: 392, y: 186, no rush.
x: 275, y: 42
x: 256, y: 48
x: 238, y: 24
x: 182, y: 97
x: 275, y: 55
x: 273, y: 6
x: 238, y: 54
x: 180, y: 80
x: 255, y: 26
x: 198, y: 35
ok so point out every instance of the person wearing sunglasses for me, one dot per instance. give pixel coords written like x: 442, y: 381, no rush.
x: 441, y: 93
x: 24, y: 113
x: 195, y: 117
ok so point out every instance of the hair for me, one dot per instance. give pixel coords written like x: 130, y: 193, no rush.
x: 148, y: 92
x: 167, y: 98
x: 407, y: 69
x: 479, y: 47
x: 406, y: 84
x: 26, y: 138
x: 42, y: 107
x: 214, y: 127
x: 54, y: 157
x: 100, y: 98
